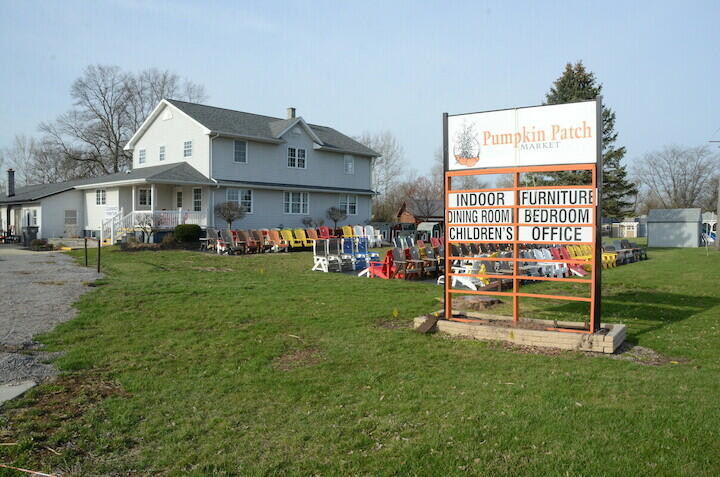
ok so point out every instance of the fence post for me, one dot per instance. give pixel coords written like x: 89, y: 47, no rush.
x: 86, y: 264
x: 98, y: 258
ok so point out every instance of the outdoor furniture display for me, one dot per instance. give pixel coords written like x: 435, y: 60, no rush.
x: 278, y: 244
x: 300, y: 236
x: 401, y: 263
x: 325, y: 233
x: 575, y: 268
x: 251, y: 245
x: 385, y: 269
x: 288, y: 236
x: 347, y: 231
x: 311, y: 234
x: 637, y: 251
x: 358, y: 231
x: 471, y: 282
x: 627, y: 253
x: 263, y: 244
x: 643, y: 252
x: 323, y: 259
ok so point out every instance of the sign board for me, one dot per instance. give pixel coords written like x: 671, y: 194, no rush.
x: 521, y: 218
x: 540, y: 135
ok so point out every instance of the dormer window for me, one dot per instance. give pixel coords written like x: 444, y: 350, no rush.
x: 187, y: 149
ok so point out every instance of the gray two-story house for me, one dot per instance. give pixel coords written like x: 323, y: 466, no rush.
x: 189, y: 157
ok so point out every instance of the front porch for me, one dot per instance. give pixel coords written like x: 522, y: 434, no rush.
x: 152, y: 208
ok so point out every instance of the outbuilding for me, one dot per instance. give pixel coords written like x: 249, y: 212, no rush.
x: 674, y: 227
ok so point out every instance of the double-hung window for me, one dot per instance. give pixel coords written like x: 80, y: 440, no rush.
x: 100, y: 197
x: 297, y: 158
x: 240, y: 152
x: 197, y: 199
x: 349, y: 164
x: 70, y: 217
x: 145, y: 197
x: 161, y: 155
x: 242, y: 197
x: 178, y: 199
x: 141, y: 156
x: 187, y: 149
x: 34, y: 216
x: 348, y: 203
x: 296, y: 202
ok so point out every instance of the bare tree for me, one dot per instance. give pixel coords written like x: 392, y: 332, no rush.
x: 230, y: 212
x: 336, y: 215
x: 676, y: 177
x: 108, y: 107
x: 424, y: 196
x: 387, y: 170
x: 146, y: 224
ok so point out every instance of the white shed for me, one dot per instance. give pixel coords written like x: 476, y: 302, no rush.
x: 674, y: 227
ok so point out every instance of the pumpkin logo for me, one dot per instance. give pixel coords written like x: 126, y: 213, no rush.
x: 467, y: 147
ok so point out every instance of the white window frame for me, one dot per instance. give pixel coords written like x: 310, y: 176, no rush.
x: 179, y: 199
x: 161, y: 153
x: 345, y: 203
x: 349, y: 161
x: 296, y: 157
x: 288, y: 202
x: 142, y: 157
x: 197, y: 203
x: 74, y: 217
x: 241, y: 198
x: 148, y: 196
x: 34, y: 215
x: 188, y: 148
x: 100, y: 197
x: 236, y: 150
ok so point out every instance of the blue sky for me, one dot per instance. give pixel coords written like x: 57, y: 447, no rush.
x: 370, y: 66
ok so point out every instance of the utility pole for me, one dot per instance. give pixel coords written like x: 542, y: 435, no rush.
x: 717, y: 214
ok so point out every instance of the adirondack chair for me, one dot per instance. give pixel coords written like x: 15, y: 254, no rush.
x: 532, y: 269
x: 300, y: 235
x: 471, y: 282
x: 251, y: 245
x: 347, y: 253
x: 358, y: 231
x: 372, y: 236
x: 401, y: 264
x: 277, y: 243
x: 546, y: 268
x: 575, y: 268
x: 435, y: 242
x: 325, y: 233
x: 643, y: 252
x: 637, y: 251
x: 434, y: 261
x: 560, y: 269
x: 312, y: 234
x: 347, y: 231
x: 237, y: 243
x: 385, y: 269
x: 230, y: 246
x: 362, y: 246
x: 412, y: 255
x: 288, y: 236
x: 263, y: 245
x: 627, y: 254
x: 609, y: 257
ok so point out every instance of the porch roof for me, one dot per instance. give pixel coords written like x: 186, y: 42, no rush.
x: 178, y: 173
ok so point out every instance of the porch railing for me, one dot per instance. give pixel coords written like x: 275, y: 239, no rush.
x: 118, y: 226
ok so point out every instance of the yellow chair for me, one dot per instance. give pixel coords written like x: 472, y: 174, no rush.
x: 287, y: 235
x: 301, y: 236
x: 347, y: 231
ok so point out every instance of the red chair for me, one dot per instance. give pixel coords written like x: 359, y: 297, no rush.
x: 563, y: 253
x: 325, y: 233
x: 385, y: 269
x: 435, y: 242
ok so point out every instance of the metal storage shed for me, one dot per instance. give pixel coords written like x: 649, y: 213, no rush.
x: 674, y: 227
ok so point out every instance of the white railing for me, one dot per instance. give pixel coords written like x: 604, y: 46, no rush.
x: 118, y: 226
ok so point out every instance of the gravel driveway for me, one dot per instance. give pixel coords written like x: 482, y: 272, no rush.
x: 37, y: 290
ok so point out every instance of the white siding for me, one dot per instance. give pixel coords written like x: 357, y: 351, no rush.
x: 268, y: 163
x: 172, y: 133
x: 95, y: 214
x: 53, y: 213
x: 268, y: 210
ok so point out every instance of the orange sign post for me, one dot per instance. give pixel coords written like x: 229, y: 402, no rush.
x: 540, y: 139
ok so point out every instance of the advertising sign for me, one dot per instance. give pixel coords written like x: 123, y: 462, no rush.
x: 547, y: 233
x: 540, y: 135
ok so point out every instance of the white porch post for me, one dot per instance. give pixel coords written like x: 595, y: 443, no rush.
x: 133, y: 199
x: 152, y: 200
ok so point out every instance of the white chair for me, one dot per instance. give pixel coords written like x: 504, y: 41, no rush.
x: 324, y: 258
x: 369, y: 232
x: 472, y: 283
x: 358, y: 231
x: 561, y: 269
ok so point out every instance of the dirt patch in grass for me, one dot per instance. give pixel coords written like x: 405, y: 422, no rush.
x: 50, y: 282
x: 392, y: 324
x: 38, y: 419
x: 297, y: 359
x: 642, y: 355
x: 22, y: 272
x: 212, y: 269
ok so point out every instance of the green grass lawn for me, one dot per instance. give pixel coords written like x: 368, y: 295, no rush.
x: 183, y: 363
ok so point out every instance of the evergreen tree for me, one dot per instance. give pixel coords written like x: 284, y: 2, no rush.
x: 579, y: 84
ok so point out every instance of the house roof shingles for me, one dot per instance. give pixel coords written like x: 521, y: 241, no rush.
x: 228, y: 121
x: 674, y: 215
x: 177, y: 172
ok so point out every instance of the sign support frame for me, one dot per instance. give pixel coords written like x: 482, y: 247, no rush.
x: 595, y: 280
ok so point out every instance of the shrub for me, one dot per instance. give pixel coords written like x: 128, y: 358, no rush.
x: 37, y: 243
x: 168, y: 241
x: 187, y: 233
